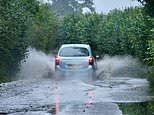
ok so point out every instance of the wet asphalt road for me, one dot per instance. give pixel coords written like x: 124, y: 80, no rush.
x: 71, y: 97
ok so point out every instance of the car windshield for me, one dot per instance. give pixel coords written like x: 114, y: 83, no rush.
x: 74, y: 51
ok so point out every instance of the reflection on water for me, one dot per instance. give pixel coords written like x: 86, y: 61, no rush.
x: 56, y: 106
x: 57, y: 110
x: 143, y: 108
x: 56, y: 99
x: 90, y: 98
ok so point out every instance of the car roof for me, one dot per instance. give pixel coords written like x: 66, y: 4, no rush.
x: 76, y: 45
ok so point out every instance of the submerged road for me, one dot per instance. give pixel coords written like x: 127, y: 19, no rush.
x: 71, y: 97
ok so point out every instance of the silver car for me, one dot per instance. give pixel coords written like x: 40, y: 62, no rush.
x: 75, y: 59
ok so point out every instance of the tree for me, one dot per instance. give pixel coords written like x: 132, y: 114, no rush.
x: 63, y: 7
x: 81, y: 28
x: 43, y: 29
x: 149, y: 6
x: 13, y: 24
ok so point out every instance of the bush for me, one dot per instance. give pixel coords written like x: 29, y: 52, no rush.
x: 151, y: 78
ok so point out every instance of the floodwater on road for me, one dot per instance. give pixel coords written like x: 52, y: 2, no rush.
x: 45, y: 96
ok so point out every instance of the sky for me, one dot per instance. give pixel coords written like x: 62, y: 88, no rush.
x: 106, y: 5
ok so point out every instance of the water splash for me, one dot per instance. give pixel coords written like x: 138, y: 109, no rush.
x: 40, y: 65
x: 121, y: 66
x: 37, y: 65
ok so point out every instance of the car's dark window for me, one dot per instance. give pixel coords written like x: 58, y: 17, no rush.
x: 74, y: 51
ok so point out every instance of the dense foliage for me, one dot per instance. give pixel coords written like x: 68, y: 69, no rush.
x: 79, y: 28
x: 142, y: 108
x: 23, y: 23
x: 13, y: 45
x: 42, y: 30
x: 149, y: 6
